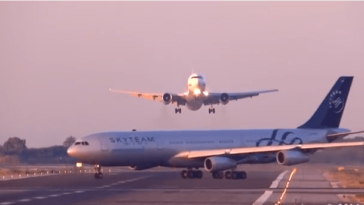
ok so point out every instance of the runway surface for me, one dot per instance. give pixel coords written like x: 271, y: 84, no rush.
x: 266, y: 184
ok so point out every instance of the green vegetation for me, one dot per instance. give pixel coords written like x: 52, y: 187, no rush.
x: 15, y: 151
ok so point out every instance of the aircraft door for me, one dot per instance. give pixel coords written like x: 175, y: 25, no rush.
x: 103, y: 143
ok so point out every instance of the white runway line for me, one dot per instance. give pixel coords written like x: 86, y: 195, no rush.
x: 267, y: 193
x: 24, y: 200
x: 40, y: 197
x: 79, y: 191
x: 7, y: 203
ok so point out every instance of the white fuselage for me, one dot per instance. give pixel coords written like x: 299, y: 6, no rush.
x: 161, y: 147
x: 196, y: 86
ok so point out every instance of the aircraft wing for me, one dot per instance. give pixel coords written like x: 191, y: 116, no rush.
x: 180, y: 98
x: 214, y: 98
x: 250, y: 150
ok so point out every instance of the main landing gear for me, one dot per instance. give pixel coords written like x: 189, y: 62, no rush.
x: 198, y: 174
x: 177, y: 110
x: 211, y: 110
x: 98, y: 173
x: 229, y: 175
x: 192, y: 174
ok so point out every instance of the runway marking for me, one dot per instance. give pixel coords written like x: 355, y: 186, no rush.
x: 79, y: 191
x: 24, y: 200
x: 40, y: 197
x: 100, y: 187
x: 267, y: 193
x: 187, y: 190
x: 287, y: 185
x: 334, y: 184
x: 121, y: 182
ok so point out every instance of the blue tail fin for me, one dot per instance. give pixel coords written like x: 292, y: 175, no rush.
x: 329, y: 114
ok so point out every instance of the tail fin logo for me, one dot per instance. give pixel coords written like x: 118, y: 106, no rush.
x: 336, y: 102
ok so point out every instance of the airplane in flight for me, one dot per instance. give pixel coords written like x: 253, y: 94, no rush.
x: 220, y: 151
x: 196, y: 95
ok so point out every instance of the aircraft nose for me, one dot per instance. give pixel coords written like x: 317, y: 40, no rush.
x: 71, y: 151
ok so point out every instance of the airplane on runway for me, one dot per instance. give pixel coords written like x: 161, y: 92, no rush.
x: 220, y: 151
x: 196, y: 96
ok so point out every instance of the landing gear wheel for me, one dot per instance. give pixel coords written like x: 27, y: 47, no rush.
x: 228, y: 175
x: 243, y: 175
x: 220, y: 175
x: 98, y: 173
x: 191, y: 174
x: 184, y: 174
x: 234, y: 175
x: 214, y: 175
x: 177, y: 110
x: 199, y: 174
x: 211, y: 110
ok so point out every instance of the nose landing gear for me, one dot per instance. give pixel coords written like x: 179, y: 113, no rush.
x: 211, y: 110
x: 98, y: 173
x: 177, y: 110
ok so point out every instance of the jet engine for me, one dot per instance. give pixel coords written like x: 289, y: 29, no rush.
x: 141, y: 167
x: 214, y: 164
x: 224, y: 98
x: 291, y: 157
x: 167, y: 98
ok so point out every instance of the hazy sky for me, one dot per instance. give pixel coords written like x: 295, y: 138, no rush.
x: 58, y: 60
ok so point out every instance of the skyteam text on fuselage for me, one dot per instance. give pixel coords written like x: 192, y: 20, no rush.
x: 220, y: 150
x: 196, y: 95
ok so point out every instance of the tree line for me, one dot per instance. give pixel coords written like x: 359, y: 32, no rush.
x: 14, y: 150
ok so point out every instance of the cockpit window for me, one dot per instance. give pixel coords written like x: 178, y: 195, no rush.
x: 82, y: 143
x: 196, y: 77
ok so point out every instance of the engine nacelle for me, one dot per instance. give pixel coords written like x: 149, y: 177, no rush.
x: 141, y: 167
x: 291, y: 157
x: 167, y: 98
x: 214, y: 164
x: 224, y: 98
